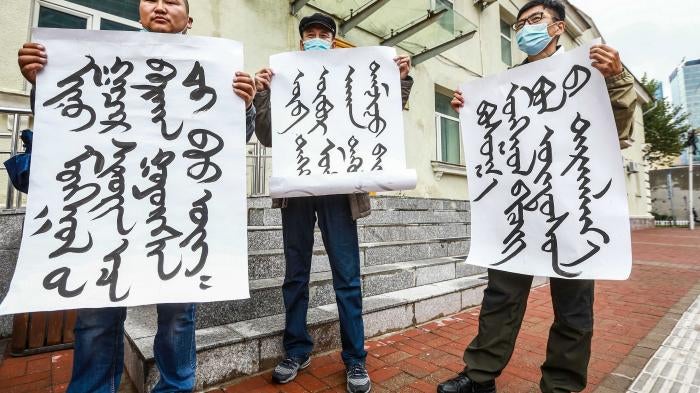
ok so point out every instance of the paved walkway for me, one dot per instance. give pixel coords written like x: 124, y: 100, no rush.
x: 633, y: 318
x: 675, y: 367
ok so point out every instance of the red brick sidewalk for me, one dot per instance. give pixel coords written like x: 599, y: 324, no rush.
x: 666, y: 267
x: 48, y: 373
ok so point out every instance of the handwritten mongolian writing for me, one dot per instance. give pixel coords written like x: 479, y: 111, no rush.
x: 517, y: 160
x: 365, y: 91
x: 299, y: 111
x: 163, y: 73
x: 107, y: 192
x: 73, y: 94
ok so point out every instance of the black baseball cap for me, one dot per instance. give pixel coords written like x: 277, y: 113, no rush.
x: 317, y: 19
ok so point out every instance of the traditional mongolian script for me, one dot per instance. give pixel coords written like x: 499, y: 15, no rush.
x: 132, y: 177
x: 338, y: 115
x: 543, y: 164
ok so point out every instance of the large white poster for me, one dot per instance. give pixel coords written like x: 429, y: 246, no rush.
x: 545, y: 172
x: 337, y: 123
x: 137, y: 188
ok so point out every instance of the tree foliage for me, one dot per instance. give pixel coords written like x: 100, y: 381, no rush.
x: 665, y: 127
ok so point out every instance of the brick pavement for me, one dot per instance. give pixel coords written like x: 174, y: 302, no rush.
x: 629, y: 326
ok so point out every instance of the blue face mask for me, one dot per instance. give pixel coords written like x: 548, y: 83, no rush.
x: 317, y: 44
x: 532, y: 39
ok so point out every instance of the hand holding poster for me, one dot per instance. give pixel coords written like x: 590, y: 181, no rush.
x: 137, y: 187
x: 545, y: 172
x: 337, y: 123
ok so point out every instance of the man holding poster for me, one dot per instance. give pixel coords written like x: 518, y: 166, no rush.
x: 337, y: 214
x: 529, y: 132
x: 99, y: 332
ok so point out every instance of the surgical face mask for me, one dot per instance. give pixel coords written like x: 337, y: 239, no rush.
x: 317, y: 44
x: 532, y: 39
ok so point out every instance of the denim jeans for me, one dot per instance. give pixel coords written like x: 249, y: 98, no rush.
x: 339, y: 232
x: 98, y: 360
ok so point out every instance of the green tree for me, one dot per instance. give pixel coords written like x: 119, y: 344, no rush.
x: 665, y: 127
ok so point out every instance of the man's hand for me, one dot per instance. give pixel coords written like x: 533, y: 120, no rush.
x: 606, y: 60
x: 263, y: 79
x: 457, y: 101
x: 244, y: 87
x: 31, y: 59
x: 404, y: 63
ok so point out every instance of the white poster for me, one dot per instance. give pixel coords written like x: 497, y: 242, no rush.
x: 545, y: 172
x: 137, y: 187
x: 337, y: 123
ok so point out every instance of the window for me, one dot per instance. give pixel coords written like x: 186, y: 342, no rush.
x: 506, y: 43
x: 87, y: 14
x: 449, y: 141
x: 447, y: 22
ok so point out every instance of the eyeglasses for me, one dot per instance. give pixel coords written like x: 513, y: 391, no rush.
x: 532, y: 20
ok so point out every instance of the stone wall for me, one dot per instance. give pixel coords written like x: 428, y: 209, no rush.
x: 11, y: 222
x: 669, y: 191
x: 641, y: 223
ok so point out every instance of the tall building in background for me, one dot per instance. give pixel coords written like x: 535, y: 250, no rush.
x: 685, y: 92
x: 659, y: 93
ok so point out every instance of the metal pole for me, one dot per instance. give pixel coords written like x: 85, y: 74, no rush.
x: 669, y: 184
x: 691, y: 219
x: 256, y: 153
x: 258, y: 183
x: 10, y: 202
x: 263, y: 189
x: 17, y: 125
x: 262, y: 169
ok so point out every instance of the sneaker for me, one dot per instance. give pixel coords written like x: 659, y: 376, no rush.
x: 462, y: 384
x: 358, y: 379
x: 287, y: 369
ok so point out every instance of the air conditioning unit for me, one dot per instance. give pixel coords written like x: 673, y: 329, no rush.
x: 633, y: 167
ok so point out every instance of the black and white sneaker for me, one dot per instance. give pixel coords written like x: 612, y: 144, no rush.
x: 358, y: 379
x: 287, y: 369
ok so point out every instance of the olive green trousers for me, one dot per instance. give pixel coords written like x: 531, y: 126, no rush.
x: 569, y: 344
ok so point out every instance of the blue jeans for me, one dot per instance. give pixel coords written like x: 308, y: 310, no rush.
x: 339, y: 233
x: 98, y: 360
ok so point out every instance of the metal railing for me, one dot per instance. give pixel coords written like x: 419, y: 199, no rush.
x: 13, y: 199
x: 672, y: 223
x: 259, y: 157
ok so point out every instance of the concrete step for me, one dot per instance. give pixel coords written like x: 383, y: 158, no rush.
x: 270, y: 263
x: 387, y: 202
x: 266, y: 294
x: 244, y: 348
x: 265, y: 217
x: 270, y: 237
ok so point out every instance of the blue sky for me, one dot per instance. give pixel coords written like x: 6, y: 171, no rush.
x: 652, y: 36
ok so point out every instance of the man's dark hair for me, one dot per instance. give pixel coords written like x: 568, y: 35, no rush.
x: 187, y: 6
x: 553, y: 5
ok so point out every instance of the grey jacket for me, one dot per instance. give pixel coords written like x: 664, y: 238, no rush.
x: 359, y: 203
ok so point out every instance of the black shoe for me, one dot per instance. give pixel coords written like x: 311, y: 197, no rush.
x: 287, y: 369
x: 358, y: 379
x: 462, y: 384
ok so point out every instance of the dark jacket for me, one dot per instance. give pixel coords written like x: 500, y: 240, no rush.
x: 359, y: 203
